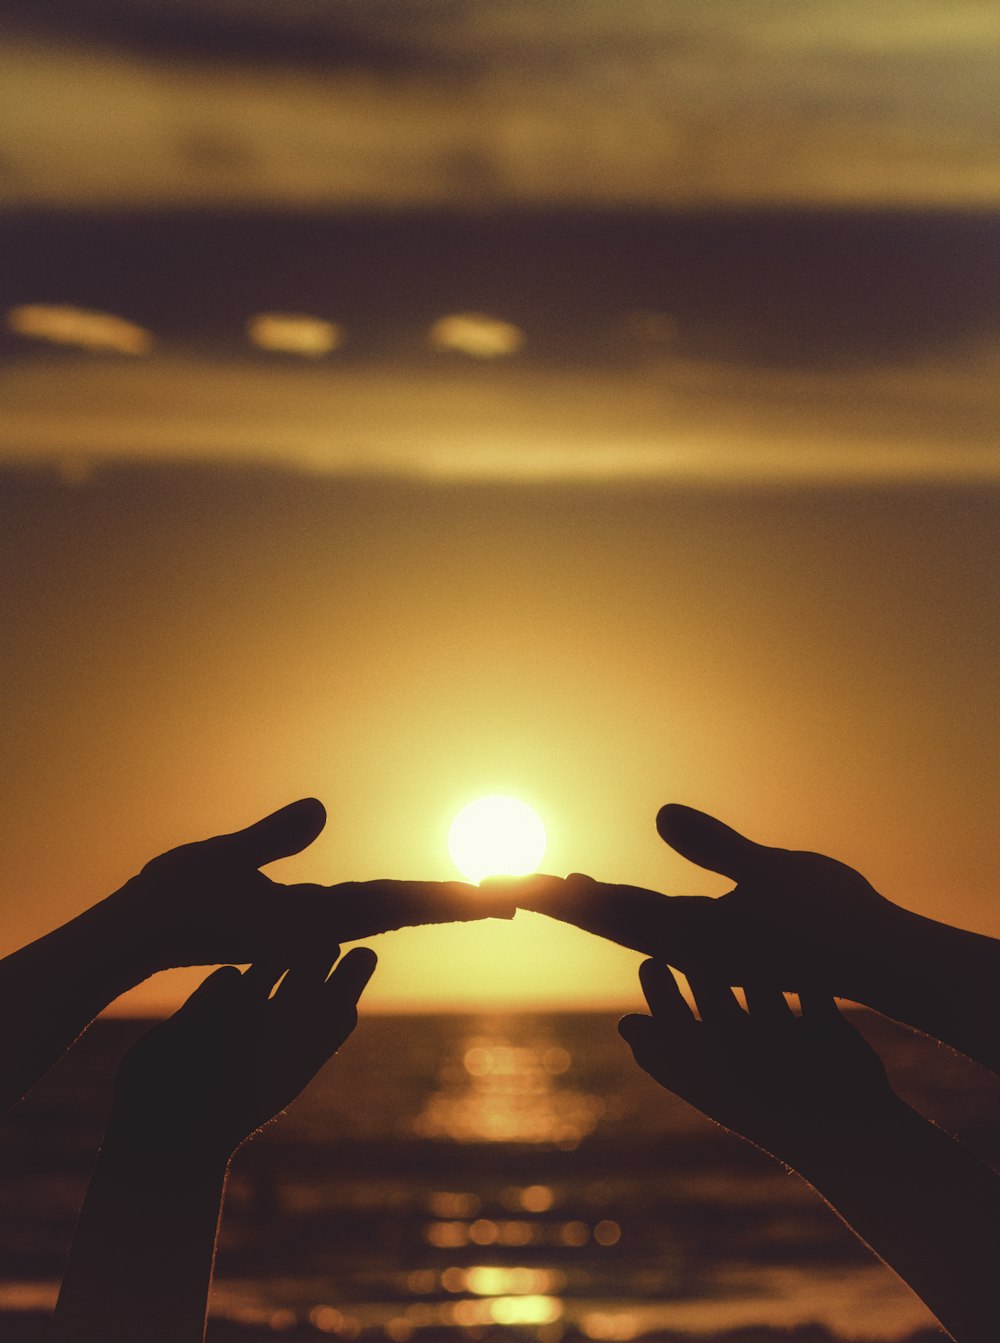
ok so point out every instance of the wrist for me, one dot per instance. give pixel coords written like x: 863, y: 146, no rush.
x: 941, y: 982
x: 854, y: 1144
x: 132, y: 1155
x: 131, y: 923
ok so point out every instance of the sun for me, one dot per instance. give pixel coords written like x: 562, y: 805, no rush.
x: 496, y: 836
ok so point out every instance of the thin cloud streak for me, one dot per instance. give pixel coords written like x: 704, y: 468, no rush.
x: 680, y: 420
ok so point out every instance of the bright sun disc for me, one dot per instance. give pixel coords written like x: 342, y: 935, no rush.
x: 496, y: 836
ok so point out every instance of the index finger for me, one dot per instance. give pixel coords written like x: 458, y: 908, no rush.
x: 673, y: 928
x: 352, y: 910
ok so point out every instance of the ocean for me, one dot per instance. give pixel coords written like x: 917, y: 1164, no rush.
x: 479, y: 1176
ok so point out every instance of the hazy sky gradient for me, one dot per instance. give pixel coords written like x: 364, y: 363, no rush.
x: 194, y: 648
x: 722, y: 528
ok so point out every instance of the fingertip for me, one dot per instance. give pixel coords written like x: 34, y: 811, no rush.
x: 309, y: 813
x: 364, y: 956
x: 492, y: 905
x: 355, y: 970
x: 707, y: 841
x: 519, y: 888
x: 631, y: 1027
x: 288, y: 830
x: 213, y: 987
x: 652, y: 972
x: 261, y: 977
x: 674, y: 817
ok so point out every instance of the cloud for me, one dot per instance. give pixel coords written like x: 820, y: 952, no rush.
x: 667, y: 419
x: 637, y: 103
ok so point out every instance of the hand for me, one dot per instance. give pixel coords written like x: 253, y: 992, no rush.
x: 792, y: 919
x: 784, y: 1082
x: 196, y: 1086
x: 205, y: 903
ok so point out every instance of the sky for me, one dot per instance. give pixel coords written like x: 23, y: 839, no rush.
x: 591, y: 402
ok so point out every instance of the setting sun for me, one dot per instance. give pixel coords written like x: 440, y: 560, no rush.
x: 495, y: 835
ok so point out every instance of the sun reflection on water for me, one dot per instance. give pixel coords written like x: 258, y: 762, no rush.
x: 496, y: 1090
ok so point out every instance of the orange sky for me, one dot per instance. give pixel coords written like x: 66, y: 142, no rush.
x: 194, y: 648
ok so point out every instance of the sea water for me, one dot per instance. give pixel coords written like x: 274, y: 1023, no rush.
x: 497, y: 1174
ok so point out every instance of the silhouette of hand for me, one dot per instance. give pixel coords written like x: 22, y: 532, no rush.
x: 793, y: 918
x: 197, y: 1085
x: 780, y: 1080
x: 205, y: 903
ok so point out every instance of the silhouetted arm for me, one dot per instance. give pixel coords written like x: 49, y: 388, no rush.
x: 201, y: 904
x: 812, y: 1093
x: 187, y: 1096
x: 796, y: 918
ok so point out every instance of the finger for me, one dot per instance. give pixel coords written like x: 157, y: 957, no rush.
x: 676, y: 928
x: 714, y: 999
x: 663, y: 995
x: 766, y: 1002
x: 306, y: 978
x: 705, y: 841
x: 654, y: 1050
x: 260, y: 978
x: 818, y: 1005
x: 351, y: 976
x: 636, y: 1030
x: 218, y: 984
x: 362, y: 909
x: 286, y: 831
x: 537, y: 885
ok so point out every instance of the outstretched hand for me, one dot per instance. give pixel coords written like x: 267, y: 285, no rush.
x: 205, y: 903
x: 782, y: 1081
x: 793, y: 918
x: 199, y: 1084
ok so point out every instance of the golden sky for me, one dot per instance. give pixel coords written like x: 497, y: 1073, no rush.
x: 194, y: 647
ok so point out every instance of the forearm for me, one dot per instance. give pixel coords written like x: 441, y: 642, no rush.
x: 141, y: 1262
x: 924, y: 1204
x: 939, y: 979
x: 56, y: 986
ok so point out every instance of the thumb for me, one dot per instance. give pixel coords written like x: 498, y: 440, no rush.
x: 705, y: 841
x: 286, y: 831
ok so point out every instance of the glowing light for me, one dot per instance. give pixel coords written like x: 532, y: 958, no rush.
x: 495, y: 835
x: 491, y: 1280
x: 294, y: 333
x: 537, y: 1198
x: 574, y: 1233
x: 525, y: 1309
x: 607, y: 1233
x: 483, y: 1231
x: 327, y: 1319
x: 446, y: 1235
x: 617, y: 1327
x: 61, y: 324
x: 422, y: 1281
x: 451, y: 1205
x: 495, y: 1090
x: 476, y: 334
